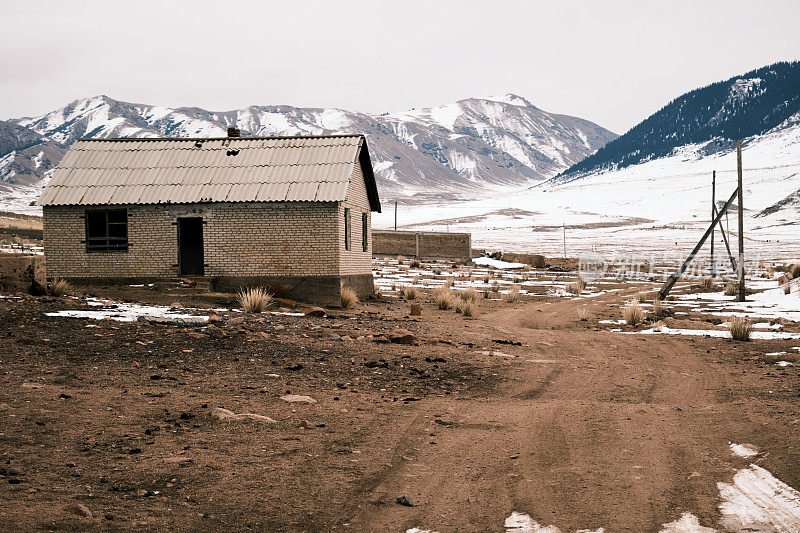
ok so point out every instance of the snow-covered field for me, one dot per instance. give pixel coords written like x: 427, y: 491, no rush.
x: 659, y: 206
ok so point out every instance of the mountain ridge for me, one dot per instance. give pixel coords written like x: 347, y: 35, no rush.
x: 456, y: 150
x: 711, y: 118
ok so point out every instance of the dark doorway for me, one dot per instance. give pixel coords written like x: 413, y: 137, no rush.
x: 190, y: 246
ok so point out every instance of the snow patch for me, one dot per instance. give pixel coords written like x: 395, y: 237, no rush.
x: 743, y: 450
x: 687, y: 523
x: 758, y: 501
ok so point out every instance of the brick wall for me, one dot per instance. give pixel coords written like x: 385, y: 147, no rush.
x: 356, y: 260
x: 241, y: 239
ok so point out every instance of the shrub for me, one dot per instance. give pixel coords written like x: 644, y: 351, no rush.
x: 740, y: 328
x: 583, y: 313
x: 409, y: 292
x: 730, y: 288
x: 794, y: 271
x: 349, y: 297
x: 486, y: 280
x: 512, y: 295
x: 59, y: 287
x: 706, y: 284
x: 443, y: 297
x: 632, y: 313
x: 400, y: 260
x: 254, y: 300
x: 470, y: 295
x: 414, y: 264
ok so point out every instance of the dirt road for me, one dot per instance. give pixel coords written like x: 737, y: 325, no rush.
x: 591, y: 429
x: 577, y: 426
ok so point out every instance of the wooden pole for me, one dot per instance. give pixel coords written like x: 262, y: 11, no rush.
x: 564, y: 229
x: 395, y: 215
x: 740, y: 270
x: 713, y: 212
x: 662, y: 294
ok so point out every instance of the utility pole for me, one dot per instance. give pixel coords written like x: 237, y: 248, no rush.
x: 564, y: 229
x: 741, y: 296
x: 713, y: 212
x: 395, y: 215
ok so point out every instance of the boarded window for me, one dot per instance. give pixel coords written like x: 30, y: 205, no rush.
x: 346, y: 228
x: 106, y: 230
x: 364, y: 230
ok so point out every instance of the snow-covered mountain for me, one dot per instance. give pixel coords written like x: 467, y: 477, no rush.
x: 458, y: 150
x: 650, y: 189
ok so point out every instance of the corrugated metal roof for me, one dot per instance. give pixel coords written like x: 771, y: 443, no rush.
x: 239, y: 169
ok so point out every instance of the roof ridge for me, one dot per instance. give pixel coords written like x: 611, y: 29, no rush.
x: 255, y: 138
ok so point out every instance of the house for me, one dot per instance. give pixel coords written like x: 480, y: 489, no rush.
x: 289, y: 213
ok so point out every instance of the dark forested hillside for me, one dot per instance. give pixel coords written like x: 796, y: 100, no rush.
x: 737, y: 108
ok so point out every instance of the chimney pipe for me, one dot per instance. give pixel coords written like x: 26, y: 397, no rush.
x: 234, y: 132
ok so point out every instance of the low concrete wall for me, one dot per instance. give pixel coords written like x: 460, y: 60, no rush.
x: 17, y: 271
x: 423, y: 244
x: 535, y: 260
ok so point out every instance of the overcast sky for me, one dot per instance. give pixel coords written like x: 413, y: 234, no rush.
x: 610, y: 62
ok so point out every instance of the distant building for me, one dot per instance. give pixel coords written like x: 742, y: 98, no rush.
x: 289, y: 213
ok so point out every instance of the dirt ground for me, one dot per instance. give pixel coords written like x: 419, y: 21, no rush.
x: 523, y: 407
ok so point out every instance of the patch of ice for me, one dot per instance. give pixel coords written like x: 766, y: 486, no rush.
x: 758, y: 501
x: 784, y: 363
x: 687, y: 523
x: 743, y: 450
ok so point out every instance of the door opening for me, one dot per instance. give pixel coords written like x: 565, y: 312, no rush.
x: 190, y: 246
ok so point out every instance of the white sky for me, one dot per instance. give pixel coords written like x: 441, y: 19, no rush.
x: 613, y: 62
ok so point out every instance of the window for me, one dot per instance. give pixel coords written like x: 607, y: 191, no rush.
x: 364, y: 233
x: 106, y: 230
x: 346, y: 228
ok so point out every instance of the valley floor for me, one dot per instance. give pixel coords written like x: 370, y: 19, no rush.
x: 522, y: 409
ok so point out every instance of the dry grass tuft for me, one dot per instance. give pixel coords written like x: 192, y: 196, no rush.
x: 730, y: 288
x: 414, y: 264
x: 254, y: 300
x: 577, y: 287
x: 707, y: 284
x: 640, y: 297
x: 633, y: 313
x: 401, y: 260
x: 512, y: 295
x: 583, y: 313
x: 787, y: 287
x: 465, y: 307
x: 470, y: 295
x: 60, y: 287
x: 740, y: 328
x: 794, y: 271
x: 659, y: 308
x: 443, y: 297
x: 349, y: 297
x: 409, y: 292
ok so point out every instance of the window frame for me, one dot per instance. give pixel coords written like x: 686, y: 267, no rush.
x: 347, y: 227
x: 112, y: 219
x: 364, y: 235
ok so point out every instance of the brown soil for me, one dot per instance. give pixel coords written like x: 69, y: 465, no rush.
x: 578, y: 427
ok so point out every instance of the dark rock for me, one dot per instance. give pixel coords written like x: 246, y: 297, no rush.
x: 404, y: 500
x: 36, y: 289
x: 316, y: 312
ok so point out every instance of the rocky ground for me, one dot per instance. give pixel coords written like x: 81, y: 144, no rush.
x: 278, y: 422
